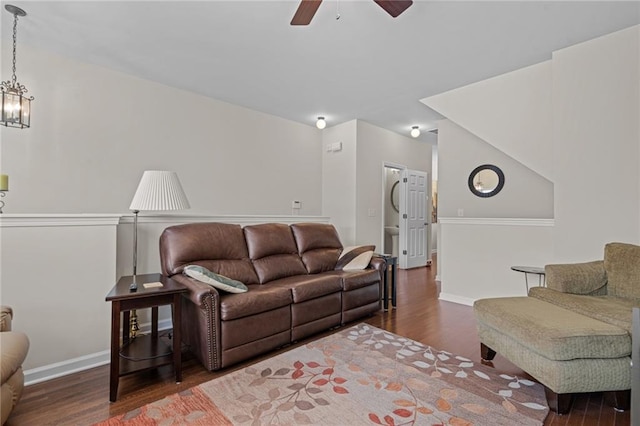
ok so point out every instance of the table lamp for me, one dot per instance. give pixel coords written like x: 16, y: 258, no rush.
x: 157, y: 191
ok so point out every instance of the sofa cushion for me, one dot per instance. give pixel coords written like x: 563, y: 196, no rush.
x: 609, y: 309
x: 551, y: 331
x: 307, y: 287
x: 352, y: 280
x: 355, y: 258
x: 219, y: 247
x: 214, y: 280
x: 273, y: 251
x: 318, y: 245
x: 258, y: 299
x: 622, y: 263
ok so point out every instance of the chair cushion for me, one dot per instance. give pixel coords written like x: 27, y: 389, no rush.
x: 14, y: 346
x: 609, y: 309
x: 551, y: 331
x: 622, y: 263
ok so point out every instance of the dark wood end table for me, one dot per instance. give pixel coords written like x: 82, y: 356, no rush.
x: 143, y: 352
x: 389, y: 284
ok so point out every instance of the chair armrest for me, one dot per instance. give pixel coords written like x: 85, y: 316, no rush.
x: 6, y: 314
x: 588, y: 278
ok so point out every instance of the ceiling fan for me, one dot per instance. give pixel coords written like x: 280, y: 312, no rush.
x: 308, y: 8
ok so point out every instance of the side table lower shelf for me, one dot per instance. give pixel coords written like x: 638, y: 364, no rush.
x: 144, y: 352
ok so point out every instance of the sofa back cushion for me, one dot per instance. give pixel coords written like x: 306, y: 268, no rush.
x: 273, y: 251
x: 318, y: 244
x: 219, y: 247
x: 622, y: 263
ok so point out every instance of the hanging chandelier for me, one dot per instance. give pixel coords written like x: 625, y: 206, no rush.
x: 16, y: 107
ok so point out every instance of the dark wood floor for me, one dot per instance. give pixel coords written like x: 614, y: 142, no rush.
x: 83, y: 398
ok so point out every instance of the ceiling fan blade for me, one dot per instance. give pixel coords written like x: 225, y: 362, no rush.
x: 394, y: 7
x: 305, y: 12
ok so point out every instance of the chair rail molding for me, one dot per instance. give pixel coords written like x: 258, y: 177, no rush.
x: 13, y: 220
x: 495, y: 221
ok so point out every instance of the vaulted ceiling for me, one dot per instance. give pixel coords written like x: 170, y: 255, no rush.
x: 365, y: 65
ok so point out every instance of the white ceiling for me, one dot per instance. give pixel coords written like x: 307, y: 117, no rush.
x: 365, y: 65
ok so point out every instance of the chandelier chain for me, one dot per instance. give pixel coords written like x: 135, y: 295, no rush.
x: 15, y: 36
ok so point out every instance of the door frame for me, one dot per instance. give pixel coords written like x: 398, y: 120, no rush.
x: 385, y: 165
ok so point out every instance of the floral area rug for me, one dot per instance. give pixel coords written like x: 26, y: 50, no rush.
x: 358, y: 376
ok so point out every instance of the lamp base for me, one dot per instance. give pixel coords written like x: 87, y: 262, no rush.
x: 133, y: 324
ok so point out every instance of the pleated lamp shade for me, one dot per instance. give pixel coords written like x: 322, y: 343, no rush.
x: 159, y: 190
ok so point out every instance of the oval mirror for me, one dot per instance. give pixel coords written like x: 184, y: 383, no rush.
x: 486, y: 180
x: 395, y: 197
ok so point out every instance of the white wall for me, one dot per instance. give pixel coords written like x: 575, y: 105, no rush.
x: 339, y: 179
x: 524, y: 97
x: 375, y: 146
x: 476, y: 255
x: 595, y: 138
x: 56, y: 272
x: 526, y: 194
x: 353, y: 178
x: 94, y: 131
x: 596, y: 106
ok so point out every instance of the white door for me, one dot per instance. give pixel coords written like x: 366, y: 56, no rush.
x: 414, y: 219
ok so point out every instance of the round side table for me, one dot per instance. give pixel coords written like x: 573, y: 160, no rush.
x: 531, y: 270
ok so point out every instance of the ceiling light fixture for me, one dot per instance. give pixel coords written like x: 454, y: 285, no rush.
x: 16, y: 107
x: 321, y: 123
x: 415, y: 131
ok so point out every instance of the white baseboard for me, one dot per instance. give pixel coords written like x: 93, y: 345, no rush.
x: 456, y: 299
x: 85, y: 362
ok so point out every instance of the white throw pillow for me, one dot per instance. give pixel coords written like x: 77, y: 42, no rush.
x: 355, y: 258
x: 220, y: 282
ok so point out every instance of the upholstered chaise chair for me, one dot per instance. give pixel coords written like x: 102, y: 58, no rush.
x: 13, y: 350
x: 574, y: 335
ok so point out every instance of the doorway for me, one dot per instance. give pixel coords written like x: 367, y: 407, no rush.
x: 406, y: 209
x: 391, y: 208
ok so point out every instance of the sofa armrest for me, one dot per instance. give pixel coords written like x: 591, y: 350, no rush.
x: 198, y: 292
x: 589, y: 278
x: 6, y: 314
x: 378, y: 263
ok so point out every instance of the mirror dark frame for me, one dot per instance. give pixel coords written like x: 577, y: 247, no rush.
x: 498, y: 187
x: 395, y: 206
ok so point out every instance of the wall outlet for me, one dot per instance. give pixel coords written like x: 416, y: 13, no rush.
x: 329, y: 147
x: 296, y: 205
x: 336, y: 146
x: 460, y: 212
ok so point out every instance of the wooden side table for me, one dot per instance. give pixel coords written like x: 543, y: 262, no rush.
x: 389, y: 284
x: 147, y: 351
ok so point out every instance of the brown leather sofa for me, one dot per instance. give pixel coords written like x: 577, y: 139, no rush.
x: 294, y: 289
x: 14, y: 346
